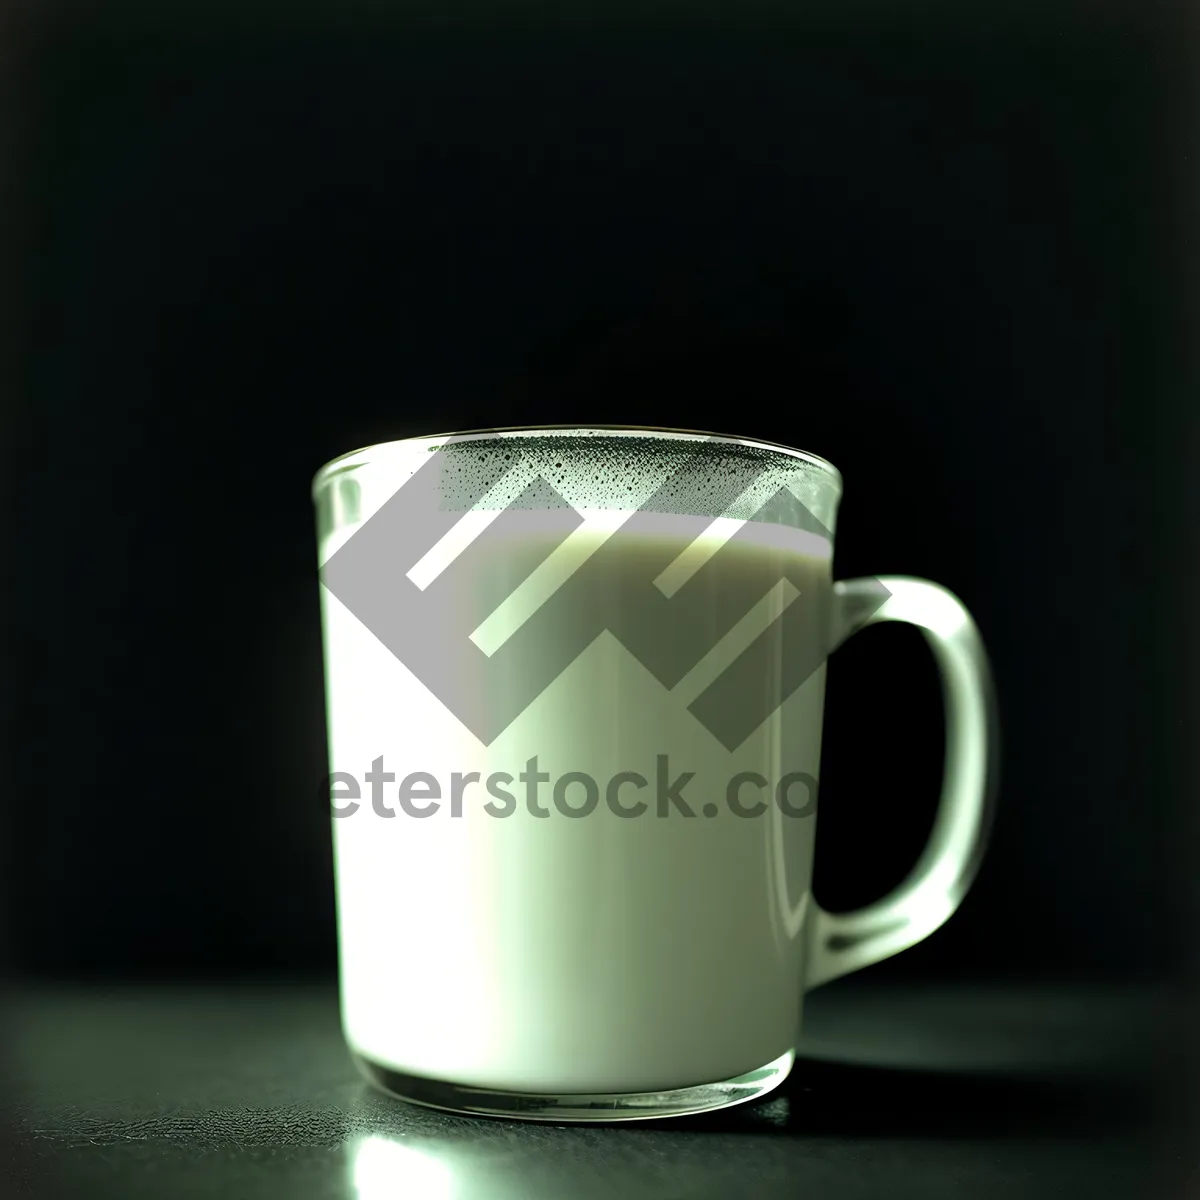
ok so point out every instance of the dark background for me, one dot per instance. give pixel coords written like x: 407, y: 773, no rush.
x: 944, y: 251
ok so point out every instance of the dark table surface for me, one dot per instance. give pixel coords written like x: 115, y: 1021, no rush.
x: 961, y: 1091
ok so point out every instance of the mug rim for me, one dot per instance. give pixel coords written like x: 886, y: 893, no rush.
x: 357, y: 458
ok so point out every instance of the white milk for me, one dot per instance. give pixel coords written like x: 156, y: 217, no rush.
x: 551, y: 954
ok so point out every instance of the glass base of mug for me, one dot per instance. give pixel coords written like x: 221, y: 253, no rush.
x: 577, y: 1106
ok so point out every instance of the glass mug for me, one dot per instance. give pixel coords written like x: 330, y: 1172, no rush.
x: 574, y: 688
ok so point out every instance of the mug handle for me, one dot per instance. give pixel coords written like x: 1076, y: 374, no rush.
x: 839, y: 943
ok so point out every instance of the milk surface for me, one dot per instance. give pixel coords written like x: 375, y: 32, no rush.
x: 522, y: 948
